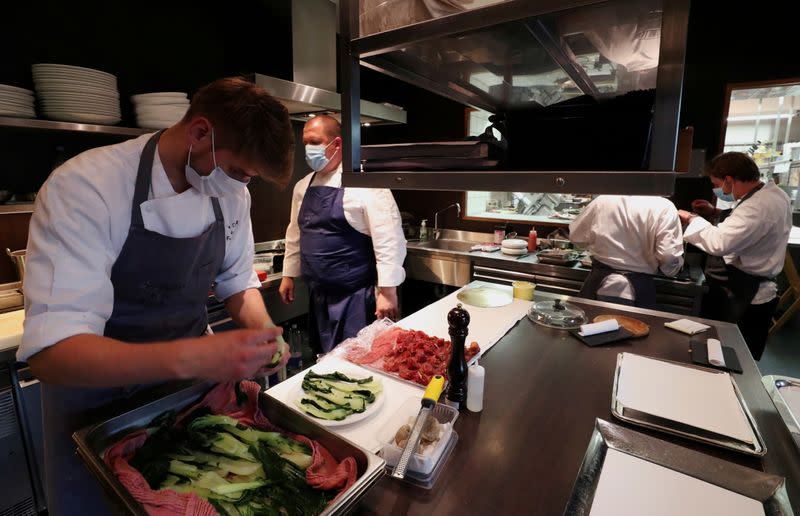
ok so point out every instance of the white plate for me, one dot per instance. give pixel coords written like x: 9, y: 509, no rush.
x: 15, y: 103
x: 513, y: 252
x: 46, y: 88
x: 76, y: 70
x: 113, y: 106
x: 352, y: 372
x: 17, y: 114
x: 89, y: 81
x: 82, y: 118
x: 159, y: 95
x: 161, y: 114
x: 15, y: 90
x: 514, y: 243
x: 71, y: 95
x: 16, y: 97
x: 161, y: 102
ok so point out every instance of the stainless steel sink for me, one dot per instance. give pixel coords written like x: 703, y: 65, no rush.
x: 447, y: 245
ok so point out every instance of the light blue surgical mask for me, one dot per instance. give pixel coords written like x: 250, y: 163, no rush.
x: 316, y: 158
x: 216, y: 184
x: 727, y: 197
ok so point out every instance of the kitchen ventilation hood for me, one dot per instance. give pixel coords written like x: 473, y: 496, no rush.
x: 304, y: 101
x: 312, y: 90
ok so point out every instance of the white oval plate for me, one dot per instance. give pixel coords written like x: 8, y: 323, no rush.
x: 370, y: 411
x: 81, y: 118
x: 513, y: 252
x: 160, y: 95
x: 13, y: 113
x: 78, y: 70
x: 45, y: 88
x: 15, y: 89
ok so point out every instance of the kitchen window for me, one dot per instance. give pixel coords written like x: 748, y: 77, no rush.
x: 763, y: 120
x: 539, y: 208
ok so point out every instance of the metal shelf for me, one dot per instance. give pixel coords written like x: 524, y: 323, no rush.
x: 52, y: 125
x: 509, y: 11
x: 16, y: 208
x: 596, y: 182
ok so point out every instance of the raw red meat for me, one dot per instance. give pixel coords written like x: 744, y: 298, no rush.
x: 412, y: 355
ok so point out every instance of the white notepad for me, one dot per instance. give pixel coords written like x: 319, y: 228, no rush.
x: 630, y: 486
x: 702, y: 399
x: 687, y: 326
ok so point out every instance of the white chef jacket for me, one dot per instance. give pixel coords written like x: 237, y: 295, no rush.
x: 630, y: 233
x: 753, y: 238
x: 372, y: 212
x: 80, y: 223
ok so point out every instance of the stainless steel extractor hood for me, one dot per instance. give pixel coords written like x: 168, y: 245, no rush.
x: 312, y: 90
x: 304, y: 101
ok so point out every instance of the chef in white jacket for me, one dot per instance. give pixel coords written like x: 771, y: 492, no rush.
x: 746, y: 247
x: 125, y: 243
x: 631, y: 238
x: 347, y: 243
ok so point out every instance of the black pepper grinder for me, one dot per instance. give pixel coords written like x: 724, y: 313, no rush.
x: 458, y: 321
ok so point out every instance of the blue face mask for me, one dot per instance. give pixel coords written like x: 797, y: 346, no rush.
x: 727, y: 197
x: 316, y: 158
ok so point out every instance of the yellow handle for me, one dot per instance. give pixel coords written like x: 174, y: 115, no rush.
x: 434, y: 389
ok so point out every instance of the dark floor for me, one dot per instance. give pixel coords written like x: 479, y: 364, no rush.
x: 782, y: 355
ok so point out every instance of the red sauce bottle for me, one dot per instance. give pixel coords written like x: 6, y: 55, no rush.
x: 532, y: 241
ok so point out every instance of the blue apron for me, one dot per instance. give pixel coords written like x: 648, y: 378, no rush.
x: 161, y: 288
x: 644, y: 288
x: 338, y: 264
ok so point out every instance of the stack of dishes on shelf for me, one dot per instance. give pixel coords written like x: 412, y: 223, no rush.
x: 16, y: 102
x: 76, y: 94
x: 159, y: 110
x: 514, y: 246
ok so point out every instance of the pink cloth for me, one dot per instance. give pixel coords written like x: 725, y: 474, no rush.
x: 324, y: 473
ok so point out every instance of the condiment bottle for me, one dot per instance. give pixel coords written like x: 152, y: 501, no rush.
x: 423, y: 230
x: 532, y: 241
x: 475, y: 380
x: 458, y: 323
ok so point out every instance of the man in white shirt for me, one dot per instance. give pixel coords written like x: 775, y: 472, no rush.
x: 631, y: 239
x: 746, y: 247
x: 125, y: 243
x: 343, y: 241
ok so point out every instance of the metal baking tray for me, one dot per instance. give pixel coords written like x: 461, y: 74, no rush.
x: 559, y: 259
x: 773, y: 385
x: 758, y: 448
x: 94, y: 440
x: 768, y: 489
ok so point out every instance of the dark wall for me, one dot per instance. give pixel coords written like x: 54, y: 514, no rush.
x: 734, y: 44
x: 150, y: 46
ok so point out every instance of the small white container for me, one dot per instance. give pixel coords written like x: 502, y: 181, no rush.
x: 421, y: 464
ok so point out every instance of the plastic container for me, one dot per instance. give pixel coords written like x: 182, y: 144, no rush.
x: 421, y: 466
x: 423, y: 229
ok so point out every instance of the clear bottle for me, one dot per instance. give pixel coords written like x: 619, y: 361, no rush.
x: 423, y: 230
x: 295, y: 364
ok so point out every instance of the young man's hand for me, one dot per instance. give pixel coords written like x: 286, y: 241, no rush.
x: 386, y: 303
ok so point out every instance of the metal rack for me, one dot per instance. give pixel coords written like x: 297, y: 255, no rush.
x: 402, y: 53
x: 52, y: 125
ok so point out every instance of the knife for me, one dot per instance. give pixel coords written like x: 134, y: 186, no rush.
x: 429, y: 399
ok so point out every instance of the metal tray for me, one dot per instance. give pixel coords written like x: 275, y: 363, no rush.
x: 94, y: 440
x: 768, y: 489
x: 637, y: 417
x: 773, y: 385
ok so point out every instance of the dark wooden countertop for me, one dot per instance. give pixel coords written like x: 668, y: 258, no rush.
x: 543, y: 391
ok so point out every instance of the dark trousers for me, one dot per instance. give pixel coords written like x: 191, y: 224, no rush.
x: 755, y: 324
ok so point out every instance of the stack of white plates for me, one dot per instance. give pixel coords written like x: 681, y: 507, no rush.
x: 16, y: 102
x: 76, y: 94
x: 514, y: 246
x: 159, y: 110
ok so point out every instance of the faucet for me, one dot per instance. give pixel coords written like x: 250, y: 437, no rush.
x: 436, y: 231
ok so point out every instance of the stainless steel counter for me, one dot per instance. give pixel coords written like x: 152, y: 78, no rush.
x: 451, y: 262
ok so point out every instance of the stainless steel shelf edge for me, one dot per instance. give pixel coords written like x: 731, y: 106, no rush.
x: 768, y: 489
x: 508, y: 11
x: 52, y: 125
x: 597, y: 182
